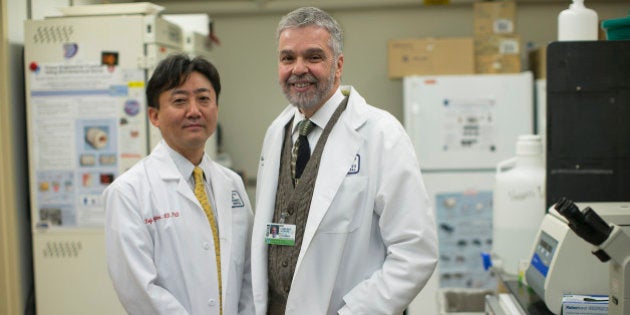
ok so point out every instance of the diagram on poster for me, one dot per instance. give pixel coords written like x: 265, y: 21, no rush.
x: 469, y: 124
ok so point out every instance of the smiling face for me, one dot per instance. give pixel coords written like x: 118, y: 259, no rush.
x: 187, y: 116
x: 308, y: 72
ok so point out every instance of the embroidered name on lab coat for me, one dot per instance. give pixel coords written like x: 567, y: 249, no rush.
x: 356, y: 165
x: 237, y: 202
x: 163, y: 216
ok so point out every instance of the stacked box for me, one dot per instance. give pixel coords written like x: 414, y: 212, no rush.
x: 497, y: 45
x: 498, y: 54
x: 494, y: 18
x: 430, y: 56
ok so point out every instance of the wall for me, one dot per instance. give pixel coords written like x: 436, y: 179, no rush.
x: 246, y: 58
x: 251, y: 96
x: 15, y: 251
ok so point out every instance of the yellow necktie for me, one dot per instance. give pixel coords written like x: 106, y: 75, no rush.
x: 200, y: 193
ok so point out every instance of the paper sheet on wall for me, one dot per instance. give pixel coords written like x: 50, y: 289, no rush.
x: 469, y: 124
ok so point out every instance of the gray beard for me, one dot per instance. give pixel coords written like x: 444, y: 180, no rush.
x: 310, y: 100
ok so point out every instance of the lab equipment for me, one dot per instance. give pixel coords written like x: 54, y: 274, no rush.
x: 611, y: 242
x: 588, y: 138
x: 561, y: 262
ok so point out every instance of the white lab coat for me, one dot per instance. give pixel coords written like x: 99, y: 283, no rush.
x: 163, y: 266
x: 370, y: 241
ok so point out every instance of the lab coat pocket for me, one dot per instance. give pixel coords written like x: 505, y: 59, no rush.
x: 346, y: 210
x: 240, y: 226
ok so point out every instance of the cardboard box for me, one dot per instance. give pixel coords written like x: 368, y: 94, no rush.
x: 498, y: 45
x: 430, y: 56
x: 584, y: 304
x: 538, y: 62
x: 498, y: 63
x: 498, y: 54
x: 494, y: 18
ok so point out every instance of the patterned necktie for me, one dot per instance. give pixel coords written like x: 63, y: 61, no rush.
x: 301, y: 151
x: 200, y: 193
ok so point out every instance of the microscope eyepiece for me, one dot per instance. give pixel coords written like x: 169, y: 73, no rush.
x: 569, y: 210
x: 587, y: 224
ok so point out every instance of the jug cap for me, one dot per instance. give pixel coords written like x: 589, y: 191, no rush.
x: 529, y: 145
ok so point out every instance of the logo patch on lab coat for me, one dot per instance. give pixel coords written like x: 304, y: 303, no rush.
x: 237, y: 202
x: 356, y: 165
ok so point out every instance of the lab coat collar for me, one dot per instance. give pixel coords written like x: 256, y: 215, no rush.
x: 323, y: 114
x: 166, y: 168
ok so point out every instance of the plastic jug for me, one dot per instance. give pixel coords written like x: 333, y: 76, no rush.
x: 578, y: 23
x: 518, y: 203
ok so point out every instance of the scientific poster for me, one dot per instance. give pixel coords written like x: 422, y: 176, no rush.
x: 88, y: 125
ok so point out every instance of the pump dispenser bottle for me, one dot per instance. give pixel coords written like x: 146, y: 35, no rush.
x: 577, y: 23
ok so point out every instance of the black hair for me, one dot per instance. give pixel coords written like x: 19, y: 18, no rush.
x: 173, y: 72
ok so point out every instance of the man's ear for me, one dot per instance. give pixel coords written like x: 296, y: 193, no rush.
x: 339, y: 66
x: 153, y: 116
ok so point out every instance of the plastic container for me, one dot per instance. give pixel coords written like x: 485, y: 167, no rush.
x: 462, y: 301
x: 578, y: 23
x: 518, y: 203
x: 617, y: 29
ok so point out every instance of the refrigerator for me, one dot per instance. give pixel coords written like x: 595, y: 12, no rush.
x: 462, y: 126
x: 85, y: 75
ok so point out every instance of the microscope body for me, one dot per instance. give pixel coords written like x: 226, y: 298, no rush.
x: 611, y: 243
x: 617, y: 246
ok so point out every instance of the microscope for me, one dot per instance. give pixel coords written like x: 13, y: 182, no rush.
x: 610, y: 244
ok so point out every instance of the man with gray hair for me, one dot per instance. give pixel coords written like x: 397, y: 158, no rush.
x: 341, y: 181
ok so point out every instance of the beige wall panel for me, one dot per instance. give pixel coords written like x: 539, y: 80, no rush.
x: 246, y: 58
x: 11, y: 286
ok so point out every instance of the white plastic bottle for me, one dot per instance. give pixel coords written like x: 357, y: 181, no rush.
x: 578, y: 23
x: 518, y: 203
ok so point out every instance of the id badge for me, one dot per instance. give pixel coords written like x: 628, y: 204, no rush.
x: 280, y: 234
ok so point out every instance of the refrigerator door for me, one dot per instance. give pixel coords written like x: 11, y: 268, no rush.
x: 467, y: 121
x: 71, y: 275
x: 462, y: 202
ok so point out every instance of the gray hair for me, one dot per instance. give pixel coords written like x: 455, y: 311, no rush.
x: 308, y: 16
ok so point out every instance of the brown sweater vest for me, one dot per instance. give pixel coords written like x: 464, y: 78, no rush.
x: 294, y: 203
